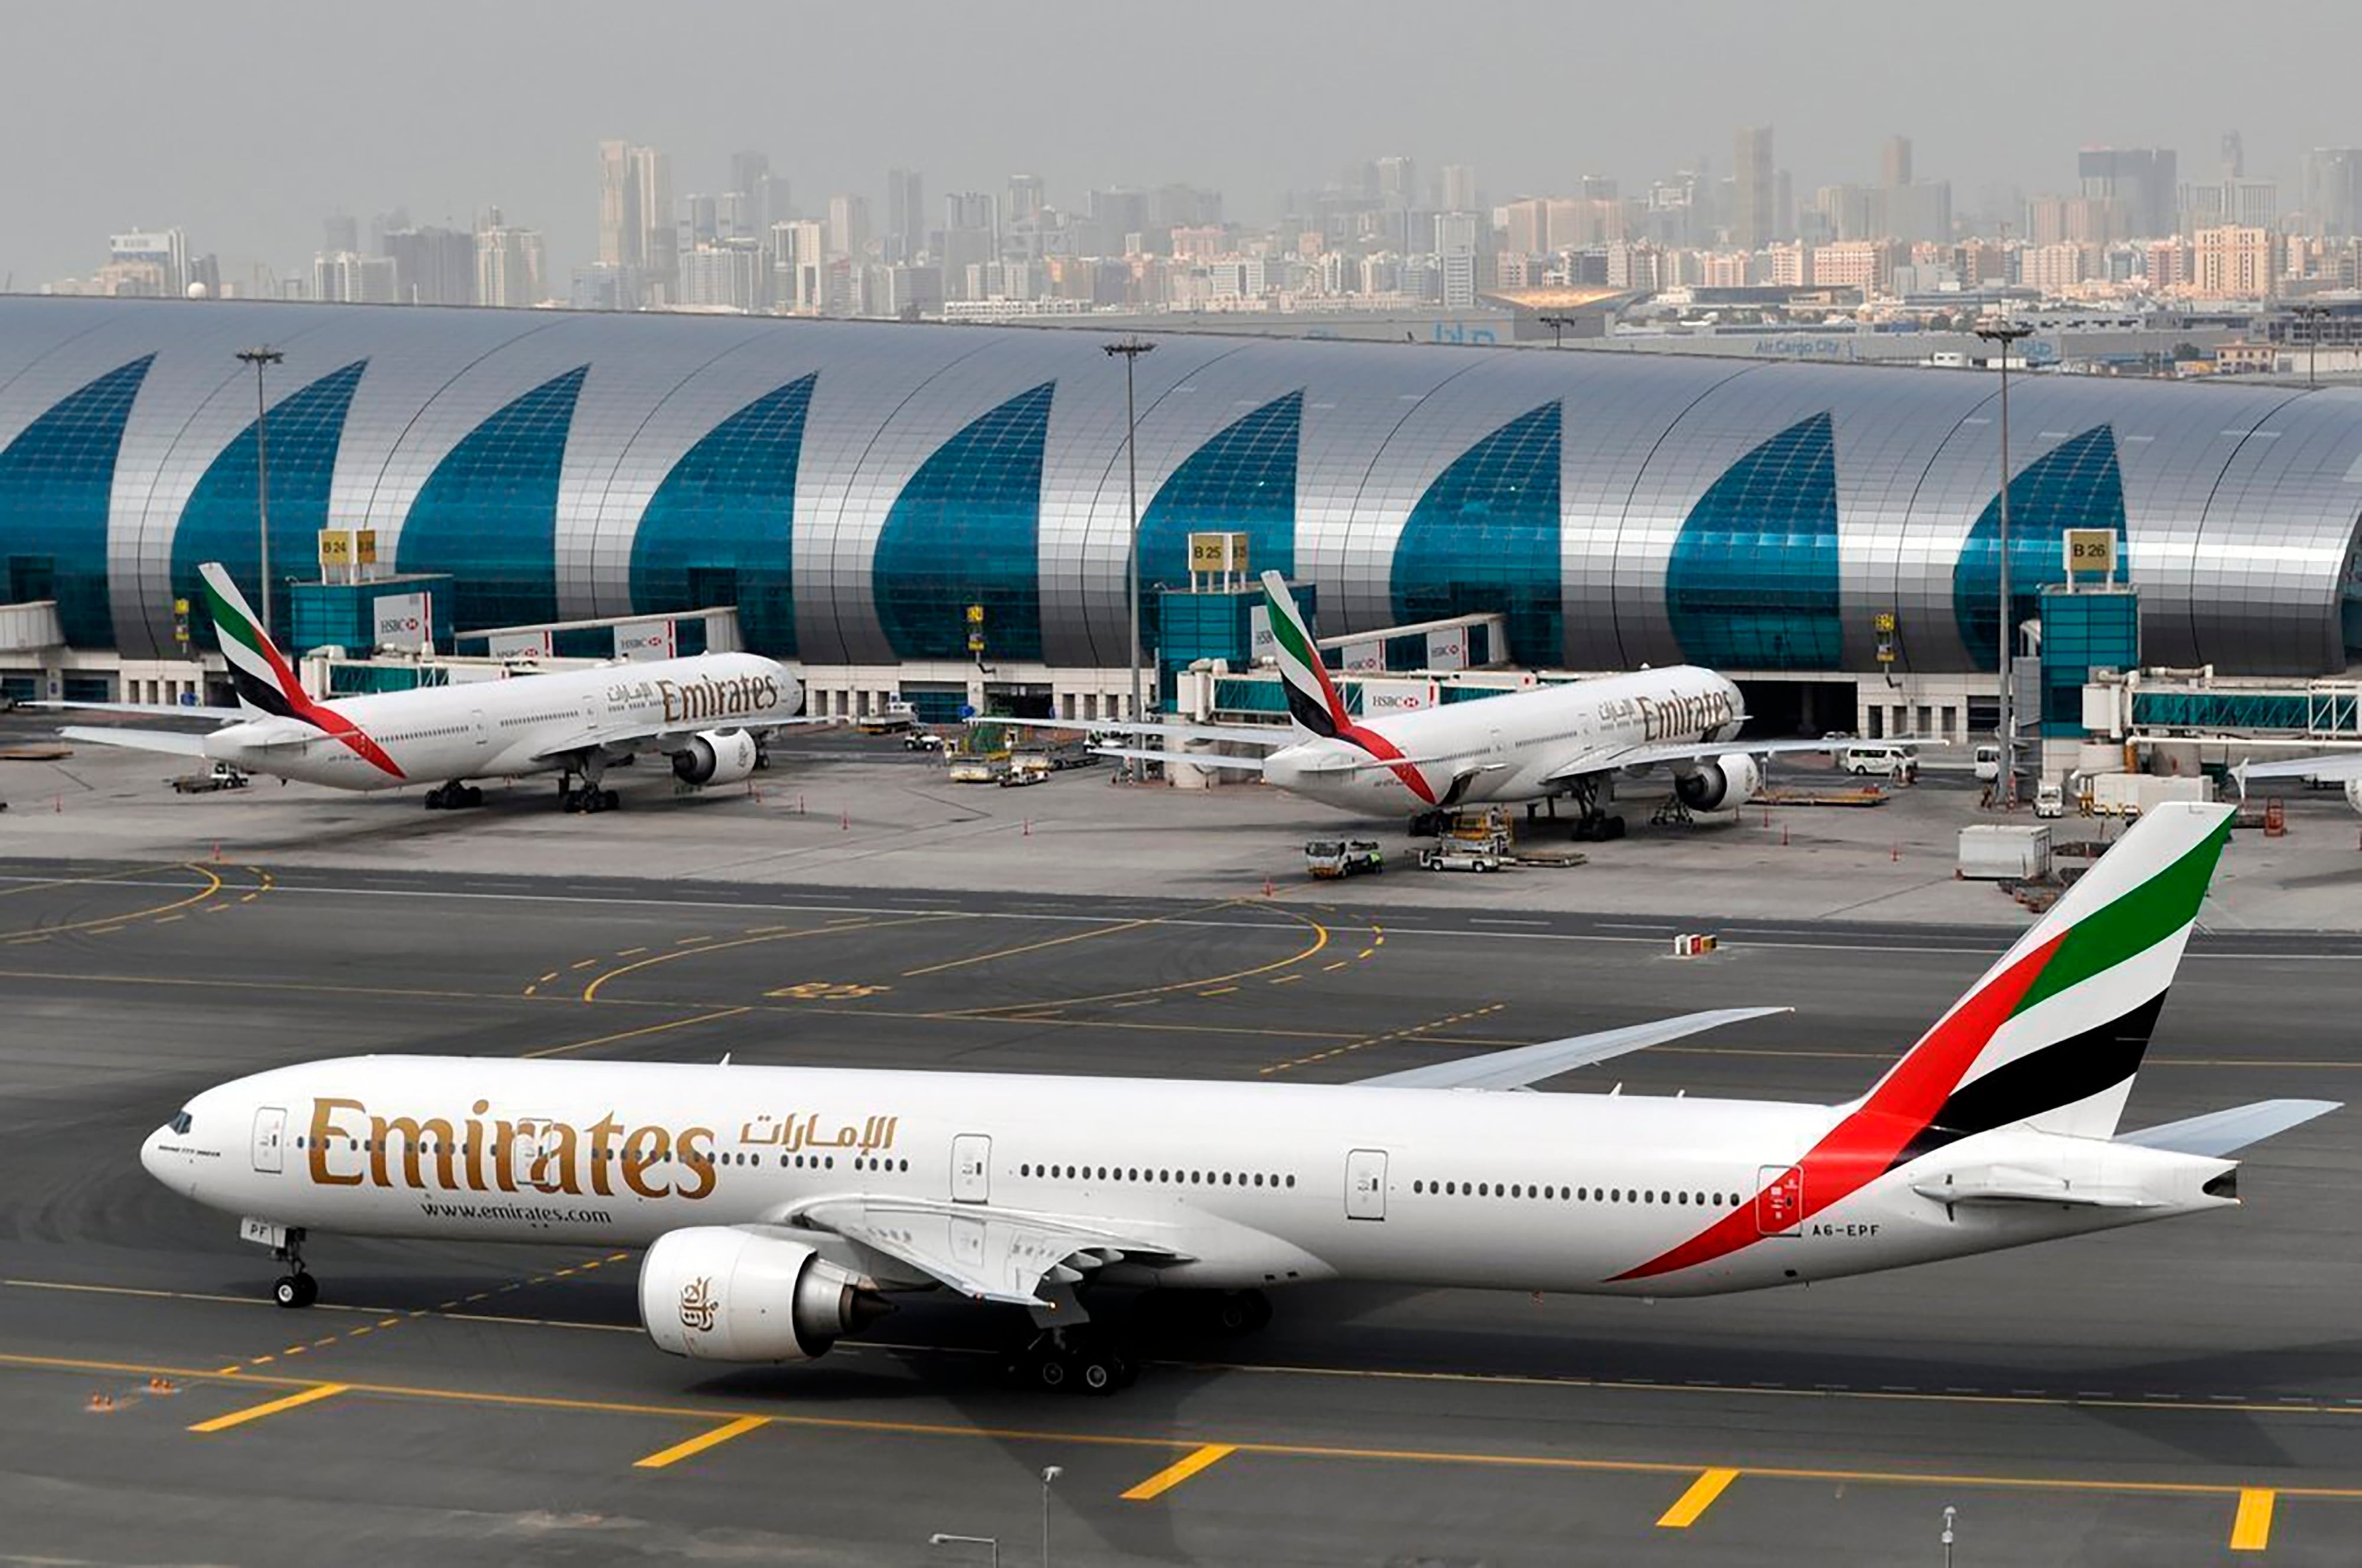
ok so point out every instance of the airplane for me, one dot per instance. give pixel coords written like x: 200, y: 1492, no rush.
x: 710, y: 713
x: 1535, y: 744
x: 782, y: 1207
x: 2344, y: 766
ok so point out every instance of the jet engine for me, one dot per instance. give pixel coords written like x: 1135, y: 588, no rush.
x: 716, y: 1293
x: 1722, y: 783
x: 716, y: 757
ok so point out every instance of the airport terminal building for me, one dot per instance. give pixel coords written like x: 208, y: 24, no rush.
x: 853, y: 488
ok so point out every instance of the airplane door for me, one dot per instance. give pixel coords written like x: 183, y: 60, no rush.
x: 476, y: 724
x: 269, y: 1139
x: 533, y: 1154
x: 1779, y: 1201
x: 972, y: 1168
x: 1365, y: 1185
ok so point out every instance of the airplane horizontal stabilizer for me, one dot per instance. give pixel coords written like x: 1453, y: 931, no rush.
x: 1523, y: 1064
x: 1194, y: 758
x: 154, y: 710
x: 2219, y: 1133
x: 171, y: 741
x: 2336, y: 765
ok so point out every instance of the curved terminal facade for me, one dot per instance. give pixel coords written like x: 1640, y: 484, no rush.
x: 853, y: 487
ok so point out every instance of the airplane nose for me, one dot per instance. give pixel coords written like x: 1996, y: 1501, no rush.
x: 148, y: 1158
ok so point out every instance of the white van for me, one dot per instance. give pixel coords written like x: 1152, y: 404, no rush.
x: 1889, y: 757
x: 1988, y: 762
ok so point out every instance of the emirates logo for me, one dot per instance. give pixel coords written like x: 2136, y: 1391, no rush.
x: 698, y: 1306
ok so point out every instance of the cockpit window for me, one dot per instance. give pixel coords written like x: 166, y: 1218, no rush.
x: 179, y: 1123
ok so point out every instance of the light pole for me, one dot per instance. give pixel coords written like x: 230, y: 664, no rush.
x: 940, y: 1538
x: 1049, y: 1473
x: 260, y: 358
x: 1949, y: 1515
x: 2313, y: 315
x: 1557, y: 326
x: 2007, y: 334
x: 1132, y: 348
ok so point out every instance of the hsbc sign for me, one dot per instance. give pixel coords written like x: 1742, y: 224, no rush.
x: 642, y: 640
x: 406, y: 621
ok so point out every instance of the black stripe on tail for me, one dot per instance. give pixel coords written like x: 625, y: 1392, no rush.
x: 2058, y: 1075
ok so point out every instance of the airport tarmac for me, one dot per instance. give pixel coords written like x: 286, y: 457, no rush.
x: 847, y: 810
x: 2181, y: 1393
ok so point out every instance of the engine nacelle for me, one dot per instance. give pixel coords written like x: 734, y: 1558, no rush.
x: 716, y: 756
x: 714, y: 1293
x: 1722, y: 783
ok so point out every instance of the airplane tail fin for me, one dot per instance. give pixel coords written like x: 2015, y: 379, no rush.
x: 1314, y: 707
x: 2053, y: 1034
x: 264, y: 680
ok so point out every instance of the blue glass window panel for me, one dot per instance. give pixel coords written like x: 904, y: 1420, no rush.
x: 2074, y: 485
x: 1752, y: 583
x: 56, y: 480
x: 965, y: 531
x: 1485, y: 537
x: 222, y: 521
x: 487, y: 514
x: 1242, y: 481
x: 726, y: 514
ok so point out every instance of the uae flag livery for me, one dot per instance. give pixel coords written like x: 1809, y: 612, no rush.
x: 265, y: 682
x: 2049, y: 1038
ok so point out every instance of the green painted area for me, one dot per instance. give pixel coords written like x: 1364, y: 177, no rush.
x: 2133, y: 924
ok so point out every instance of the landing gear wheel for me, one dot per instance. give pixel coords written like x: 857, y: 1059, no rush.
x: 472, y: 796
x: 1239, y: 1311
x: 1049, y: 1372
x: 1098, y: 1371
x: 609, y: 800
x: 293, y: 1290
x: 1611, y: 827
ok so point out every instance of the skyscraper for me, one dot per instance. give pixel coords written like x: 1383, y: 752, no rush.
x: 2332, y: 189
x: 1025, y: 198
x: 1895, y: 163
x: 635, y: 216
x: 848, y: 224
x: 160, y: 255
x: 2234, y: 156
x: 1458, y: 191
x: 2139, y: 182
x: 1754, y: 216
x: 906, y: 214
x: 509, y: 263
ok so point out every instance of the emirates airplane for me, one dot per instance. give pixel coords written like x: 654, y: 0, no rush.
x: 781, y: 1206
x: 1537, y: 745
x: 710, y: 713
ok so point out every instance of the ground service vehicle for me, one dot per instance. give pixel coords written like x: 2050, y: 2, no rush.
x: 1343, y: 857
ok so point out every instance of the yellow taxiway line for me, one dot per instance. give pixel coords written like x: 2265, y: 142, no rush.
x: 1180, y: 1470
x: 636, y: 1033
x: 2252, y: 1529
x: 311, y: 1395
x: 1710, y: 1484
x: 700, y: 1442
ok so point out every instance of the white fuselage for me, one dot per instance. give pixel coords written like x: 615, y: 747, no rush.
x: 498, y: 729
x: 1251, y: 1184
x: 1510, y: 749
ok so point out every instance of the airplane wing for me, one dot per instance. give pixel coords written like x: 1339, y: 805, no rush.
x: 1271, y: 735
x: 154, y: 710
x: 2337, y: 765
x: 176, y: 742
x: 1194, y: 758
x: 1607, y: 758
x: 617, y: 738
x: 982, y: 1251
x: 2222, y: 1132
x: 1523, y: 1064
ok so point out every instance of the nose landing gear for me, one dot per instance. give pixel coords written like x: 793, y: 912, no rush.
x: 295, y: 1287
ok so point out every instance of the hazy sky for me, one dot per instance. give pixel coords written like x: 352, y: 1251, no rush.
x: 246, y: 123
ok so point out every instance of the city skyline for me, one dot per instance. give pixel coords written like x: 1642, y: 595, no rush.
x: 519, y: 115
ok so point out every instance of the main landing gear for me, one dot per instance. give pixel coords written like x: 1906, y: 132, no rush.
x: 295, y: 1287
x: 453, y: 796
x: 1593, y: 825
x: 1081, y: 1360
x: 589, y: 795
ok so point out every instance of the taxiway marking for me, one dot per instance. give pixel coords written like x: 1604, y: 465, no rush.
x: 312, y: 1395
x: 704, y: 946
x: 700, y: 1442
x: 637, y: 1034
x: 1180, y: 1470
x: 2251, y: 1529
x: 1710, y: 1484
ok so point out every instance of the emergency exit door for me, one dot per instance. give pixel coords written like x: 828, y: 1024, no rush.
x: 1780, y: 1200
x: 1365, y: 1185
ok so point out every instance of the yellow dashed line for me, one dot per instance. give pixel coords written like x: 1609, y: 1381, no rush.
x: 688, y: 941
x: 700, y: 1442
x: 271, y: 1408
x: 2252, y: 1529
x: 167, y: 920
x: 1219, y: 992
x: 1173, y: 1474
x: 1338, y: 965
x: 1352, y: 1046
x: 546, y: 978
x: 585, y: 964
x: 1284, y: 980
x: 1365, y: 952
x: 629, y: 951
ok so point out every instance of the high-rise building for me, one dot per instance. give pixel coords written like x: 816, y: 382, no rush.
x: 1754, y: 190
x: 848, y: 224
x: 2333, y: 191
x: 2138, y: 182
x: 2231, y: 263
x: 1026, y: 199
x: 347, y: 276
x: 158, y: 257
x: 1895, y: 163
x: 510, y: 265
x: 1397, y: 180
x: 1526, y: 228
x: 749, y: 170
x: 636, y: 214
x: 2234, y: 156
x: 723, y: 275
x: 1116, y: 212
x: 341, y: 231
x: 906, y: 214
x: 1459, y: 188
x: 971, y: 240
x: 431, y: 266
x: 799, y: 266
